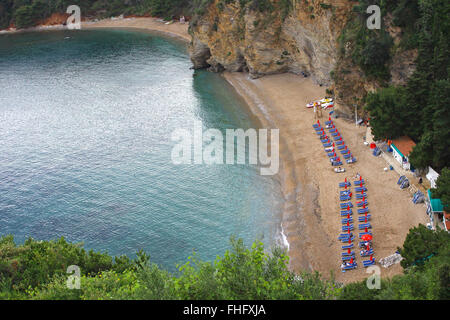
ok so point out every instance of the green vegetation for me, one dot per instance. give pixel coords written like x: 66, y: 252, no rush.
x: 26, y: 13
x: 421, y: 109
x: 37, y: 270
x: 370, y: 49
x: 442, y: 190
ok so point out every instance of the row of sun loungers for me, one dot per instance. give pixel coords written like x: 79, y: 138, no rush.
x: 339, y: 142
x: 326, y: 142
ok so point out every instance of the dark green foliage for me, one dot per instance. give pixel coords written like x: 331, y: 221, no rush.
x: 442, y: 190
x: 24, y: 17
x: 26, y: 13
x: 37, y: 270
x: 422, y: 242
x: 387, y: 108
x: 423, y: 113
x: 427, y: 259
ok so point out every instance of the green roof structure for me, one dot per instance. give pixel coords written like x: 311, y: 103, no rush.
x: 436, y: 204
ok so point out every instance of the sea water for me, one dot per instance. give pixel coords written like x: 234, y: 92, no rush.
x: 85, y: 148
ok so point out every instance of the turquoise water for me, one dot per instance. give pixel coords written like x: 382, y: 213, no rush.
x: 85, y: 124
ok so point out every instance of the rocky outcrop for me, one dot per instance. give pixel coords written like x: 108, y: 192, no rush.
x: 302, y: 38
x: 245, y: 39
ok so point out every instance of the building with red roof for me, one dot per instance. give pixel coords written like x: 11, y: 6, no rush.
x: 401, y: 149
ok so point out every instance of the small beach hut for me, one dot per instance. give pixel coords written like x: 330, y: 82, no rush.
x: 401, y: 149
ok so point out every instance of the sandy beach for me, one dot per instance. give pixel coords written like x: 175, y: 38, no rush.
x: 311, y: 219
x: 175, y: 29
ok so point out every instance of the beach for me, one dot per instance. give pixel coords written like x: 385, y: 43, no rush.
x: 311, y: 219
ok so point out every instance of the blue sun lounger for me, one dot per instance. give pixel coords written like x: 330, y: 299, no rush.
x: 345, y: 214
x: 344, y: 192
x: 327, y: 145
x: 349, y: 246
x: 366, y: 253
x: 358, y: 182
x: 329, y: 122
x: 345, y: 198
x: 341, y: 147
x: 315, y: 125
x: 364, y: 225
x: 346, y: 205
x: 335, y: 164
x: 333, y: 130
x: 360, y: 196
x: 368, y: 263
x: 362, y: 211
x: 339, y: 142
x: 361, y: 203
x: 351, y: 267
x: 347, y: 156
x: 351, y: 160
x: 346, y: 228
x: 364, y: 233
x: 346, y: 254
x: 343, y: 184
x: 334, y: 159
x: 345, y: 151
x: 359, y: 189
x: 347, y: 258
x: 363, y: 218
x: 335, y: 134
x: 345, y: 237
x: 331, y: 154
x: 345, y: 220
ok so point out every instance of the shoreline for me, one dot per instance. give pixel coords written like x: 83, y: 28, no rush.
x: 310, y: 221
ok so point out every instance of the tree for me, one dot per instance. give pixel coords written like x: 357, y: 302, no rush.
x: 442, y: 190
x: 421, y: 243
x: 24, y: 17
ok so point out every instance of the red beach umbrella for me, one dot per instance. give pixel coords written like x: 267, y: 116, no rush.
x: 349, y: 240
x: 371, y: 257
x: 348, y: 251
x: 351, y: 261
x: 345, y: 180
x: 360, y: 178
x: 364, y: 205
x: 366, y: 237
x: 366, y: 230
x: 318, y: 121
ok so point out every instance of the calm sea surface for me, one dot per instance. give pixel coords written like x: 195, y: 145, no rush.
x: 85, y: 148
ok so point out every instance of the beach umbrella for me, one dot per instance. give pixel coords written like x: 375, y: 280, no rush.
x: 364, y: 199
x: 371, y: 257
x: 366, y: 237
x: 364, y: 205
x: 351, y: 260
x: 345, y: 180
x: 367, y: 230
x: 360, y: 178
x: 349, y: 250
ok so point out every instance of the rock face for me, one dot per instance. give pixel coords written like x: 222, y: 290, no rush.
x: 245, y: 39
x: 303, y: 40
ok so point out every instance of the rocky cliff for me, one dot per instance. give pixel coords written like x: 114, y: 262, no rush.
x: 295, y: 36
